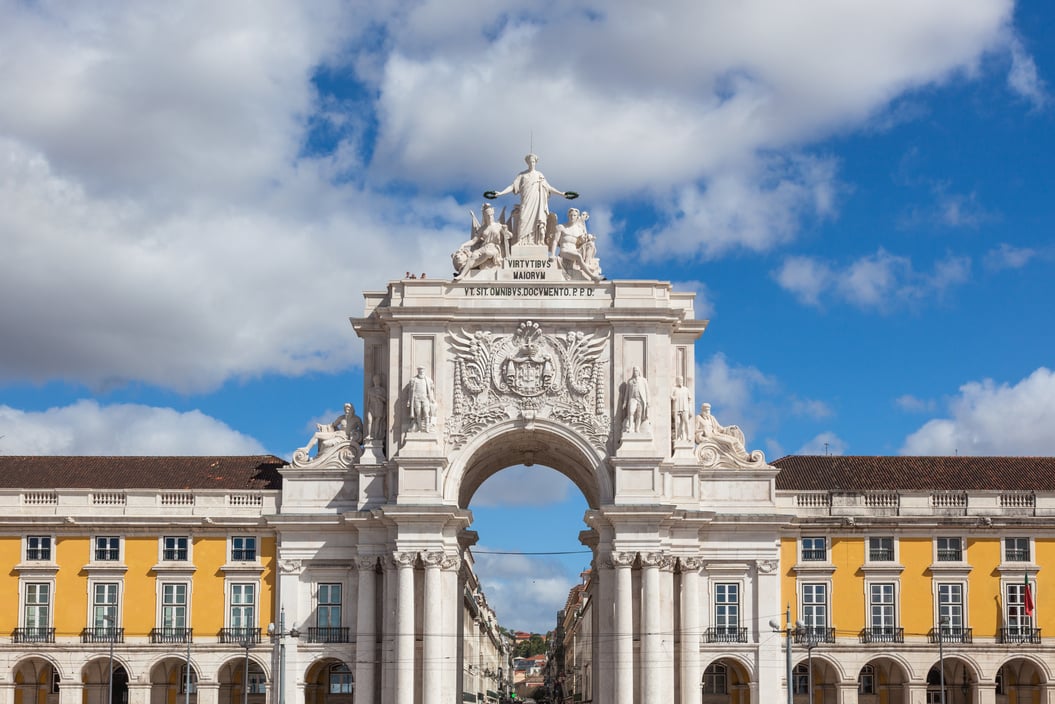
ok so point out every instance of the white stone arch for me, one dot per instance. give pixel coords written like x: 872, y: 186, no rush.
x: 1043, y: 666
x: 538, y: 441
x: 907, y: 670
x: 28, y: 658
x: 749, y: 668
x: 831, y: 664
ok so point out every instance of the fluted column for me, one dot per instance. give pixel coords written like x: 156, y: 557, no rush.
x: 624, y: 628
x: 603, y: 646
x: 651, y: 651
x: 450, y: 673
x: 405, y: 627
x: 691, y: 676
x: 366, y: 632
x: 431, y: 645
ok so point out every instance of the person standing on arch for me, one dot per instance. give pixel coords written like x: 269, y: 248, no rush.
x: 533, y: 212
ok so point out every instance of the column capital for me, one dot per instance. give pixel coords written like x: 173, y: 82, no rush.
x: 433, y: 558
x: 451, y: 563
x: 366, y: 563
x: 404, y: 559
x: 622, y: 559
x: 690, y: 563
x: 656, y: 559
x: 767, y: 566
x: 287, y: 566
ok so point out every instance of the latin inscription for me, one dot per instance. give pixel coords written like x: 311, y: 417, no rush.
x: 529, y: 291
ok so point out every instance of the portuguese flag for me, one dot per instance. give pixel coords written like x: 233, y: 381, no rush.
x: 1028, y: 598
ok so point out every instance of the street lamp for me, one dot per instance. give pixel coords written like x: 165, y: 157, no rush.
x: 942, y: 622
x: 247, y: 643
x: 279, y: 635
x: 812, y: 637
x: 775, y: 625
x: 112, y: 632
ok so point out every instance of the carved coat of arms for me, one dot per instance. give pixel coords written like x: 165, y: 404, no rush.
x: 528, y: 374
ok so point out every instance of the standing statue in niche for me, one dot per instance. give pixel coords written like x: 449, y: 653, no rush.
x: 487, y: 246
x: 532, y: 216
x: 421, y: 399
x: 635, y: 403
x: 376, y: 402
x: 346, y: 429
x: 681, y: 409
x: 578, y: 248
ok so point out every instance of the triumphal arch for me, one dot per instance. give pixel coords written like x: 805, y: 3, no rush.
x: 527, y: 354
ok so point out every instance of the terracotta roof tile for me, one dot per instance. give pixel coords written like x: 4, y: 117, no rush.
x: 867, y: 473
x: 99, y: 472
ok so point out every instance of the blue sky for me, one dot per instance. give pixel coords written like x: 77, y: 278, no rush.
x: 194, y: 195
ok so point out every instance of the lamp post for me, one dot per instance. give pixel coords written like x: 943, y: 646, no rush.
x: 775, y: 625
x: 111, y: 631
x: 942, y: 622
x: 247, y: 643
x: 279, y: 636
x: 812, y: 637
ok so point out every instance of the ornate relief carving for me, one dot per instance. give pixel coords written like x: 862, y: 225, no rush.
x: 290, y: 566
x: 404, y: 559
x: 623, y: 559
x: 367, y: 563
x: 767, y: 566
x: 433, y: 559
x: 451, y: 563
x: 657, y: 559
x: 526, y: 375
x: 691, y: 564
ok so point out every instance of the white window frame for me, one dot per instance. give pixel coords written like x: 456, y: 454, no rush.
x: 1018, y: 606
x: 1030, y: 549
x: 964, y: 611
x: 160, y: 616
x: 737, y: 605
x: 93, y: 586
x: 802, y: 588
x: 893, y: 549
x: 232, y: 550
x: 94, y: 557
x: 51, y: 548
x: 319, y: 605
x: 871, y: 587
x: 938, y: 549
x: 229, y: 605
x: 802, y: 548
x: 171, y: 561
x: 23, y: 602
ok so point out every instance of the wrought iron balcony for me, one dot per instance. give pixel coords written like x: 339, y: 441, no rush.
x: 105, y: 634
x: 34, y: 634
x: 951, y: 634
x: 1020, y: 634
x: 813, y: 635
x: 950, y: 555
x: 882, y: 634
x: 881, y: 555
x: 726, y: 634
x: 240, y: 635
x: 811, y: 555
x: 171, y: 635
x: 328, y: 634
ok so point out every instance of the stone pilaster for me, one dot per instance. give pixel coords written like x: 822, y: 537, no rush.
x: 624, y: 628
x: 691, y: 674
x: 366, y: 632
x: 405, y: 630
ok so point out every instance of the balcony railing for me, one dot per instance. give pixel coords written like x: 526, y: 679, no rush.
x: 881, y: 555
x: 240, y: 635
x: 107, y: 634
x: 951, y: 634
x: 814, y: 634
x: 882, y: 634
x: 171, y: 635
x: 1016, y: 555
x: 328, y: 634
x: 811, y: 555
x: 34, y: 634
x: 950, y: 555
x: 1019, y: 634
x: 726, y: 634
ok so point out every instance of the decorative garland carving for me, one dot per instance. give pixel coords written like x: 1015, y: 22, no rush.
x: 526, y: 375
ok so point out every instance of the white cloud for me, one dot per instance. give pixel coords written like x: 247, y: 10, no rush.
x: 880, y: 282
x: 826, y: 443
x: 157, y: 205
x: 733, y: 391
x: 811, y: 408
x: 1006, y: 256
x: 912, y: 404
x: 86, y: 428
x: 703, y: 306
x: 993, y: 419
x: 524, y: 590
x: 1023, y: 77
x: 523, y: 486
